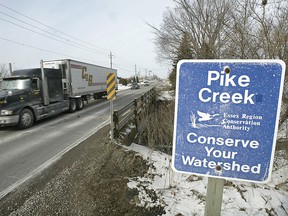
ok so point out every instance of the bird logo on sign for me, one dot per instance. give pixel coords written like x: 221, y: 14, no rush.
x: 205, y: 116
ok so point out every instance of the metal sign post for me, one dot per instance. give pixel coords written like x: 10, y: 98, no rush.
x: 214, y: 196
x: 111, y: 95
x: 226, y: 119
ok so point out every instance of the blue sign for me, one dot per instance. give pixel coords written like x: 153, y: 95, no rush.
x: 226, y: 117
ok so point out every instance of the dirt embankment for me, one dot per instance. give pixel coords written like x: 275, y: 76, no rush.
x: 91, y: 179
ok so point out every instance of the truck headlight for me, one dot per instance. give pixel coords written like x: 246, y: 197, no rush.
x: 6, y: 112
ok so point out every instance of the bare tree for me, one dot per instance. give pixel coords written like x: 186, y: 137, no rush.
x: 3, y: 71
x: 240, y: 35
x: 240, y: 29
x: 260, y: 31
x: 204, y: 21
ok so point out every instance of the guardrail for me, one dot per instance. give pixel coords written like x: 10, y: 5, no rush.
x: 132, y: 111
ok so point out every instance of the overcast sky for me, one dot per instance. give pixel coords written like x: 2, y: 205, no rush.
x: 96, y: 26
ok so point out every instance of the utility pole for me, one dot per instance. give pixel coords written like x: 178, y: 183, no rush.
x: 111, y: 56
x: 135, y: 71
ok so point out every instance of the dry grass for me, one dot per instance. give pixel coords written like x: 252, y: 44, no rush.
x: 156, y: 126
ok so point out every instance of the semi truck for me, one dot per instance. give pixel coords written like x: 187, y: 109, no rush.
x: 29, y: 95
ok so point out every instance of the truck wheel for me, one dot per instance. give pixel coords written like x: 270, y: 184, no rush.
x: 79, y: 104
x: 26, y: 119
x: 72, y: 105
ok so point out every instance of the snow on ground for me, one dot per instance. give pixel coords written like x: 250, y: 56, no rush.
x: 183, y: 194
x: 123, y: 87
x: 166, y: 95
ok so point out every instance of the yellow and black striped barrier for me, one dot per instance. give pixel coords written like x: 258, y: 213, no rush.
x: 111, y: 86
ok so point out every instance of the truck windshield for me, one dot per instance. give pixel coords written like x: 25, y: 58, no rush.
x: 10, y: 84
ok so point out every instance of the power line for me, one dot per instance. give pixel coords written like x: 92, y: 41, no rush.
x: 62, y: 54
x: 56, y: 37
x: 51, y: 37
x: 65, y: 39
x: 125, y: 69
x: 55, y: 30
x: 130, y: 63
x: 41, y: 49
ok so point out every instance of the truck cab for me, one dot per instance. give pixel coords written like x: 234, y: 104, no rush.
x: 17, y: 93
x: 21, y: 97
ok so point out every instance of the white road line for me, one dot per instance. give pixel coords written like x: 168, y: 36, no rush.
x: 50, y: 161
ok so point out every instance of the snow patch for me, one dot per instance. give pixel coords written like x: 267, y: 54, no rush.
x: 166, y: 95
x: 122, y: 87
x: 183, y: 194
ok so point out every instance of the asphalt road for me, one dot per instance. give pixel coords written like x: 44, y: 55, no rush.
x: 25, y: 153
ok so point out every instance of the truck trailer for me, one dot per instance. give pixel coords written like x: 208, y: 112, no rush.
x: 29, y: 95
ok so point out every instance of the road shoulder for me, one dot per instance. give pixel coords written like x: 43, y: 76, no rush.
x: 89, y: 179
